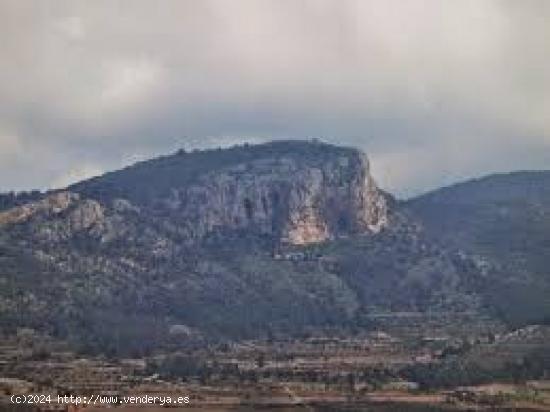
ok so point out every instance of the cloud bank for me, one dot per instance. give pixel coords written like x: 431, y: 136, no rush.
x: 433, y: 90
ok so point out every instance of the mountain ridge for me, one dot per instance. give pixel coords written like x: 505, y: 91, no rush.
x: 504, y: 220
x: 197, y: 239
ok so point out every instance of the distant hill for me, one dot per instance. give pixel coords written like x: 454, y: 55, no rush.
x: 504, y: 220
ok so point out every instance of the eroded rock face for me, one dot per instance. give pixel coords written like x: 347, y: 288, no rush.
x: 297, y: 201
x: 49, y: 206
x: 59, y: 215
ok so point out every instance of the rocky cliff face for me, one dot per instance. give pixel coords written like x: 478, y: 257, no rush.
x: 297, y: 202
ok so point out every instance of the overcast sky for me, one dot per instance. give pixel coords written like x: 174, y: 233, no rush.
x: 433, y: 90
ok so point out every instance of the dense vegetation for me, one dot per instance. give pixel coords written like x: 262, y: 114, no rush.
x: 223, y: 292
x: 504, y: 220
x: 13, y: 199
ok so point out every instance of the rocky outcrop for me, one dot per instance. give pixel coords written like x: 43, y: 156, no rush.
x: 58, y: 216
x: 49, y: 206
x: 84, y: 216
x: 297, y: 201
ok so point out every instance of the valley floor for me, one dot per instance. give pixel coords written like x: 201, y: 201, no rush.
x: 374, y: 371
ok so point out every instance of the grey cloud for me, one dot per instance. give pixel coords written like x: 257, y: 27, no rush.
x: 433, y: 90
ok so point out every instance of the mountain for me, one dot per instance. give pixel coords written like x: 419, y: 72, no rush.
x: 504, y: 222
x: 294, y: 191
x: 283, y: 237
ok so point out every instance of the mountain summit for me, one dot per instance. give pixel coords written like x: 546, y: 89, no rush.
x: 297, y: 192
